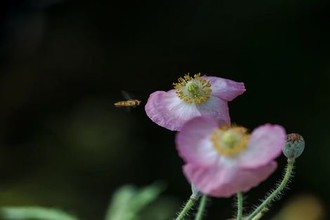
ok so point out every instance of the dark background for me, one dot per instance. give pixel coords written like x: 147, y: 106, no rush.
x: 64, y: 63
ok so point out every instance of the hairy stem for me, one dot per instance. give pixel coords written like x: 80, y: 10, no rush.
x: 239, y: 206
x: 263, y: 206
x: 188, y: 206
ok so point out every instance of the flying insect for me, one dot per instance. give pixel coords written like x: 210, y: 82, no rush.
x: 127, y: 103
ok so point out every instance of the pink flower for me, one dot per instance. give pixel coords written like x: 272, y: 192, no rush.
x: 222, y: 161
x: 192, y: 97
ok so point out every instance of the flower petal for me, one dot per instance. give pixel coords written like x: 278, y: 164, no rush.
x: 168, y: 110
x: 226, y: 180
x: 193, y: 141
x: 224, y: 88
x: 265, y: 144
x: 216, y: 108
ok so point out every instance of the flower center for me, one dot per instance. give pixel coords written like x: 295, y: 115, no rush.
x: 230, y: 141
x: 193, y: 89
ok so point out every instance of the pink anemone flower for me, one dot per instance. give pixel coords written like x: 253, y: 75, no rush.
x: 192, y: 97
x: 222, y: 160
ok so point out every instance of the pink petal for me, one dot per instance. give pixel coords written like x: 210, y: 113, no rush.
x: 226, y: 180
x: 265, y: 144
x: 169, y: 111
x: 224, y: 88
x: 215, y: 108
x: 193, y: 141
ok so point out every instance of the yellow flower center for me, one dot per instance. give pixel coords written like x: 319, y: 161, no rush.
x: 193, y: 89
x: 230, y: 141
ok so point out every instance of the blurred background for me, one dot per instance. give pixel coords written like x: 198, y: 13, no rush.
x: 63, y: 63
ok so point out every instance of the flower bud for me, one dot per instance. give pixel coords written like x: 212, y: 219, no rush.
x: 294, y: 146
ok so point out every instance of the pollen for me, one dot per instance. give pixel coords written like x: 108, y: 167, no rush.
x: 230, y: 141
x: 193, y: 89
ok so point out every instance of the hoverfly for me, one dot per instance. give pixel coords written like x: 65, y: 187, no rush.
x: 127, y: 103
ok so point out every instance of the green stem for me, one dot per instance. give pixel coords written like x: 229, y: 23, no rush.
x: 201, y: 208
x: 263, y: 206
x: 260, y: 214
x: 239, y: 206
x: 190, y: 203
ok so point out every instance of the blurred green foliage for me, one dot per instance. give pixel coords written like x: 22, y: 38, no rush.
x: 128, y: 201
x: 127, y: 204
x: 34, y: 213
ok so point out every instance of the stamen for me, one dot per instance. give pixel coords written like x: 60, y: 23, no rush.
x: 193, y: 89
x: 230, y: 141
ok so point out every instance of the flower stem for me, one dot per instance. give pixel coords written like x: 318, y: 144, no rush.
x: 262, y: 208
x: 239, y: 206
x: 201, y: 208
x: 190, y: 203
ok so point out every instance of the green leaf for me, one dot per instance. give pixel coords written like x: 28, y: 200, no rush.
x: 128, y: 201
x: 34, y: 212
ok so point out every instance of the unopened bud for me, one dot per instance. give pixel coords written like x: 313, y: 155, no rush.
x: 294, y: 146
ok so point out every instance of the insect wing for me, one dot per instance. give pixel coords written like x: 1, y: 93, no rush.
x: 126, y: 95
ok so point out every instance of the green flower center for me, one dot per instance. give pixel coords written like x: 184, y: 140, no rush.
x: 230, y: 141
x: 193, y: 89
